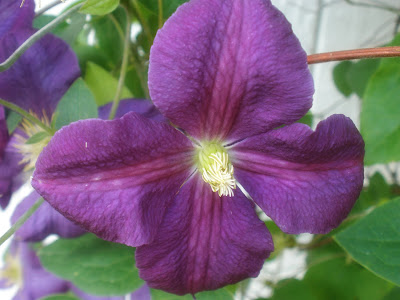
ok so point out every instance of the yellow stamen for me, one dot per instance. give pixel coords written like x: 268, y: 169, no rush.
x: 12, y: 271
x: 30, y: 151
x: 216, y: 169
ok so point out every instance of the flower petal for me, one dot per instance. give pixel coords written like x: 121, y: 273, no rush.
x: 37, y: 282
x: 45, y: 221
x: 3, y: 132
x: 114, y: 178
x: 305, y: 181
x: 11, y: 177
x: 41, y: 76
x: 229, y: 69
x: 140, y: 106
x: 204, y: 242
x: 13, y: 17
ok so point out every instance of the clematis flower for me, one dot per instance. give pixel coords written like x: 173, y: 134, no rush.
x: 24, y: 269
x: 232, y: 78
x: 36, y: 82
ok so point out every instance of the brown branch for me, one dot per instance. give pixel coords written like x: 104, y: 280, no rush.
x: 354, y: 54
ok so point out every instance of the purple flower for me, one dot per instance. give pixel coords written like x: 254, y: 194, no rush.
x: 228, y: 74
x: 24, y: 269
x: 36, y: 82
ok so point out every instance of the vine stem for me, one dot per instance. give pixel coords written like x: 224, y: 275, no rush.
x: 21, y: 221
x: 354, y: 54
x: 47, y: 7
x: 124, y: 65
x: 37, y: 36
x: 26, y: 115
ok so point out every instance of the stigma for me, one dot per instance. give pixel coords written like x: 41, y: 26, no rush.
x: 31, y: 142
x: 216, y: 169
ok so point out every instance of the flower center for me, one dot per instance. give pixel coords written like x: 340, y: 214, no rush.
x: 31, y: 143
x: 11, y: 273
x: 216, y: 169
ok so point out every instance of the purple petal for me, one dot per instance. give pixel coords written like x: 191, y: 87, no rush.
x: 305, y: 181
x: 205, y: 242
x: 41, y: 76
x: 229, y: 69
x: 13, y: 17
x: 114, y: 178
x: 45, y: 221
x: 140, y: 106
x: 11, y: 177
x: 3, y: 132
x: 37, y: 282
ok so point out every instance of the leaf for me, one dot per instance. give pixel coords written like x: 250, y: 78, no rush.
x: 394, y: 294
x: 78, y: 103
x: 374, y: 241
x: 380, y: 122
x: 95, y: 266
x: 103, y: 85
x: 99, y: 7
x: 13, y: 119
x: 359, y: 74
x: 340, y: 77
x: 221, y: 294
x: 37, y: 137
x: 331, y: 277
x: 306, y: 119
x: 60, y: 297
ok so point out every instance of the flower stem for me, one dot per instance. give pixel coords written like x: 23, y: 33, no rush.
x: 47, y: 7
x: 27, y: 116
x: 124, y: 65
x: 35, y: 37
x: 21, y: 221
x: 354, y: 54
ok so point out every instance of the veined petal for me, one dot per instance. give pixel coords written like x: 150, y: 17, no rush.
x: 13, y: 17
x: 305, y: 181
x: 229, y: 69
x: 114, y: 178
x: 141, y: 106
x: 45, y: 221
x: 204, y: 242
x: 41, y: 76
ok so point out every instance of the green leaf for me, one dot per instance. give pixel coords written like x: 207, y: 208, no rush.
x: 13, y: 119
x: 374, y: 241
x: 394, y: 294
x: 37, y: 137
x: 221, y: 294
x: 99, y: 7
x: 103, y: 85
x: 78, y: 103
x: 380, y: 122
x: 306, y: 119
x: 331, y: 277
x: 60, y: 297
x: 359, y: 74
x: 95, y: 266
x: 340, y: 77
